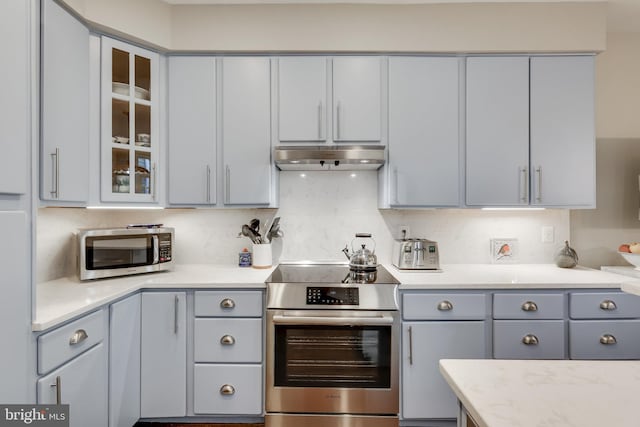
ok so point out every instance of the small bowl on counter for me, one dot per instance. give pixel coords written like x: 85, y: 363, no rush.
x: 633, y: 259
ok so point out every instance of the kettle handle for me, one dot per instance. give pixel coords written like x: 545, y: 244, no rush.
x: 364, y: 236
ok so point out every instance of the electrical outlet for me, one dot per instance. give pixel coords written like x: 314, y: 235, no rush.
x: 403, y: 231
x: 547, y: 234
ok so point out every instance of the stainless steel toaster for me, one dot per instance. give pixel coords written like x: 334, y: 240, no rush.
x: 415, y: 254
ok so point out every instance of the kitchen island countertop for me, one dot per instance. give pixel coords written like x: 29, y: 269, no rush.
x: 537, y: 393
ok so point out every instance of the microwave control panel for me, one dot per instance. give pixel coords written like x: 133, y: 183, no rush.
x: 332, y: 296
x: 164, y: 243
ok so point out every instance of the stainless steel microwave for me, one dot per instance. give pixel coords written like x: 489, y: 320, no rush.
x: 122, y: 251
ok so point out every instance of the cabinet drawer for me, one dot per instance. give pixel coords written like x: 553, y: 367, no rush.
x: 444, y: 306
x: 528, y: 306
x: 227, y: 389
x: 523, y: 339
x: 228, y: 340
x: 603, y: 305
x: 62, y: 344
x: 228, y: 304
x: 607, y: 339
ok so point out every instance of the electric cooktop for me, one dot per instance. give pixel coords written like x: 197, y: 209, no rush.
x: 329, y: 274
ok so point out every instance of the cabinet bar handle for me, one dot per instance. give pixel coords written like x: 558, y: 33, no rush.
x: 227, y: 390
x: 155, y: 179
x: 58, y: 386
x: 530, y: 339
x: 410, y: 346
x: 227, y: 303
x: 445, y: 306
x: 529, y: 306
x: 539, y: 184
x: 208, y: 184
x: 524, y: 191
x: 227, y: 340
x: 608, y: 339
x: 338, y: 111
x: 55, y: 157
x: 176, y: 302
x: 227, y: 196
x: 396, y: 186
x: 608, y: 305
x: 78, y: 336
x: 320, y: 120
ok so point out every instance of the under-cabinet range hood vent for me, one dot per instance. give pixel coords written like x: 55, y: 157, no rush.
x: 330, y: 157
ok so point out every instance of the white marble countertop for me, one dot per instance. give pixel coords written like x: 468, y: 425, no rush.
x: 546, y: 393
x: 507, y: 276
x: 63, y: 299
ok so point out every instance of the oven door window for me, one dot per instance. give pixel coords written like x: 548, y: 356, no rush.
x: 106, y: 252
x: 332, y: 356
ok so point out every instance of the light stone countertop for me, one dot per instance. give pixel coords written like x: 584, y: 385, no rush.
x: 60, y: 300
x: 546, y: 393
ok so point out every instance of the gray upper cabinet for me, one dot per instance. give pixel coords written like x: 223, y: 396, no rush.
x: 530, y: 131
x: 563, y: 131
x: 423, y: 132
x: 246, y: 130
x: 14, y: 102
x: 497, y: 131
x: 65, y: 106
x: 357, y: 98
x: 192, y: 130
x: 302, y: 99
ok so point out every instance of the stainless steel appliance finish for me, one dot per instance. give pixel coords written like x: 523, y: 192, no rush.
x: 416, y: 254
x: 329, y: 157
x: 332, y: 348
x: 113, y: 252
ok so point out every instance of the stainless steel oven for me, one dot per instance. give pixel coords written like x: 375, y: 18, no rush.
x: 332, y: 348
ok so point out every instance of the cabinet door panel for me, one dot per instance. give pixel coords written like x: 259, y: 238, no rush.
x: 497, y: 131
x: 562, y: 131
x: 124, y: 362
x: 525, y: 339
x: 245, y: 337
x: 83, y: 386
x: 163, y: 355
x: 15, y: 102
x: 357, y: 98
x: 302, y: 98
x: 65, y: 106
x: 245, y: 382
x: 423, y: 131
x: 604, y: 339
x: 425, y: 393
x: 192, y: 137
x: 246, y: 130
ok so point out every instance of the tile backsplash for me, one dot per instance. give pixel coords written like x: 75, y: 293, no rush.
x: 320, y: 213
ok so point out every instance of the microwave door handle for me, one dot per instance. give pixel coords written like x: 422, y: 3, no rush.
x: 156, y: 249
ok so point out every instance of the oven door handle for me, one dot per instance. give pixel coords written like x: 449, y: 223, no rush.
x: 332, y: 320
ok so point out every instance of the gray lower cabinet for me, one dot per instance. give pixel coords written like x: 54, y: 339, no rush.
x: 163, y: 355
x: 524, y: 339
x: 124, y: 362
x: 438, y: 326
x: 73, y: 361
x: 228, y: 352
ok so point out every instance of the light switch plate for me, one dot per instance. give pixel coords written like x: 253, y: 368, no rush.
x: 504, y: 250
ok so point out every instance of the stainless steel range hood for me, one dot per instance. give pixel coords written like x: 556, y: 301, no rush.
x: 329, y: 157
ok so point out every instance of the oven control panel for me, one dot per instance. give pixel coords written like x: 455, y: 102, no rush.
x: 332, y: 296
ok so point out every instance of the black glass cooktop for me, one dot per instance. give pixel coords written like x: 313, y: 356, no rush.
x: 328, y: 273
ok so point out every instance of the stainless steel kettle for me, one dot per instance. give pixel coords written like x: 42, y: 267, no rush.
x: 362, y: 259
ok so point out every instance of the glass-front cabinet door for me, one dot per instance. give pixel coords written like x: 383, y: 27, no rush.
x: 130, y: 136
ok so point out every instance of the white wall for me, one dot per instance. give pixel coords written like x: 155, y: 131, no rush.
x: 320, y: 214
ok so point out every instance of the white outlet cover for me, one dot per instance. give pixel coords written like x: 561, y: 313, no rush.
x: 504, y: 250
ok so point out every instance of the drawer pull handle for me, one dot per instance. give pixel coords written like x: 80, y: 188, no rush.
x: 608, y: 305
x: 530, y: 339
x: 78, y: 336
x: 227, y: 390
x: 608, y: 339
x: 445, y: 306
x: 227, y: 340
x: 529, y: 306
x: 227, y: 303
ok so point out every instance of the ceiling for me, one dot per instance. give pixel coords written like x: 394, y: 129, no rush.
x: 623, y: 15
